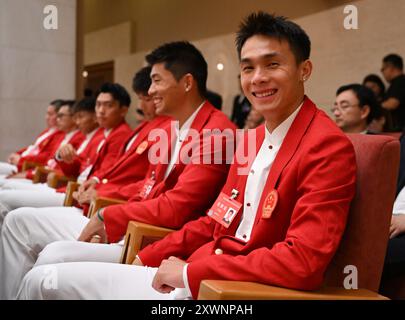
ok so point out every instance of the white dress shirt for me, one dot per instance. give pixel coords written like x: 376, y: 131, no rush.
x: 131, y: 142
x: 399, y: 204
x: 258, y: 173
x: 180, y: 136
x: 86, y: 141
x: 84, y: 174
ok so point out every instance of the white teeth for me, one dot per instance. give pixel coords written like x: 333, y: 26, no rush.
x: 265, y: 94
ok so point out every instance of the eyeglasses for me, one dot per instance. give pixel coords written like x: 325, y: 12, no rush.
x: 342, y: 107
x: 61, y: 115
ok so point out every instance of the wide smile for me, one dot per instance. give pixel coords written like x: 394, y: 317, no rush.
x: 157, y: 100
x: 264, y: 93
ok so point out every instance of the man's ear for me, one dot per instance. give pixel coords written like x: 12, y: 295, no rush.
x: 188, y: 82
x: 124, y: 111
x: 365, y: 111
x: 306, y: 70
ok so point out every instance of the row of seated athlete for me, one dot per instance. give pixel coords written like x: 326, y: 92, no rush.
x: 257, y: 218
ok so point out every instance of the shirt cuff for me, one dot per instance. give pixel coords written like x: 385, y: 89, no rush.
x: 57, y: 156
x: 96, y: 179
x: 185, y: 280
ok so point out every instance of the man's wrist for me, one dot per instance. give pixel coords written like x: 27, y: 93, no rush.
x: 100, y: 215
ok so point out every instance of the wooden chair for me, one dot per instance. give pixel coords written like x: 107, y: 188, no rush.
x: 138, y: 236
x: 101, y: 202
x: 41, y: 174
x: 95, y: 205
x: 71, y: 187
x: 57, y: 181
x: 29, y: 165
x: 363, y: 244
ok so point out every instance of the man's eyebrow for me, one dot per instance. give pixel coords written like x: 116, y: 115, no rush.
x: 265, y: 56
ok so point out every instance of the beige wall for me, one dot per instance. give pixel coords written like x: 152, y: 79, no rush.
x: 339, y: 56
x: 37, y: 66
x: 157, y: 21
x: 97, y: 49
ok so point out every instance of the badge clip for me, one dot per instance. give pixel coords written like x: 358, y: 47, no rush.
x: 234, y: 193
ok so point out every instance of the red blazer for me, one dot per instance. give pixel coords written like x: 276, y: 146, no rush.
x: 85, y: 158
x: 182, y: 195
x: 314, y: 174
x: 131, y: 166
x: 75, y: 141
x: 42, y: 133
x: 108, y: 154
x: 46, y: 149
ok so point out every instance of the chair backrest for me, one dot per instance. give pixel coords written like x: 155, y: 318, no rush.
x: 396, y: 135
x: 365, y: 239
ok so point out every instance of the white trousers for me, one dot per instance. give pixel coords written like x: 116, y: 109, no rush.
x: 37, y: 198
x: 23, y: 184
x: 91, y: 280
x: 6, y: 168
x: 81, y: 270
x: 4, y: 181
x: 25, y: 233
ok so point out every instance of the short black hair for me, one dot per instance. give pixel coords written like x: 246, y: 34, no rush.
x: 87, y: 104
x: 57, y: 104
x: 118, y: 92
x: 262, y: 23
x: 366, y: 97
x: 70, y: 104
x: 181, y: 58
x: 394, y: 60
x: 141, y: 81
x: 377, y: 80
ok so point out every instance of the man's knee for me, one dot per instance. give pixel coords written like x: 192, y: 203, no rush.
x: 16, y: 219
x: 56, y: 252
x: 39, y: 283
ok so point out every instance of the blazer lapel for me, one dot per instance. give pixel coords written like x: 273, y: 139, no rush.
x: 288, y: 149
x: 198, y: 124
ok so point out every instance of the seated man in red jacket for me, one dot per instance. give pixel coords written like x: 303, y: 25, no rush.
x: 69, y: 134
x: 40, y: 193
x: 100, y: 150
x: 9, y: 167
x: 173, y: 192
x: 291, y: 205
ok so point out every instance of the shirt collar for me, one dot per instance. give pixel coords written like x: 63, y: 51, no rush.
x: 182, y: 133
x: 70, y: 134
x: 277, y: 136
x: 91, y: 134
x: 107, y: 132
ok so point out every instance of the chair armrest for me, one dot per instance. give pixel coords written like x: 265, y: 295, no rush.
x: 40, y: 174
x: 239, y: 290
x: 30, y: 165
x: 138, y: 236
x: 71, y: 187
x: 101, y: 202
x: 57, y: 181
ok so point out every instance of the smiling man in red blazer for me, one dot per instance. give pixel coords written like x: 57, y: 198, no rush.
x: 291, y: 205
